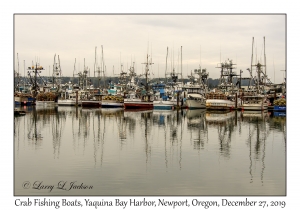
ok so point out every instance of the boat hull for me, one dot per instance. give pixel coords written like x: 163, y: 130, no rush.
x: 163, y: 105
x: 111, y: 104
x: 91, y: 103
x: 66, y: 102
x: 138, y: 105
x: 219, y: 104
x: 24, y: 100
x: 195, y: 104
x: 279, y: 108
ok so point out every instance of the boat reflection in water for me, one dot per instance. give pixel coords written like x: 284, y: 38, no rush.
x: 258, y: 132
x: 224, y: 122
x: 151, y: 152
x: 197, y: 127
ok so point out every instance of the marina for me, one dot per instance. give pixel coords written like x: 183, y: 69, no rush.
x: 151, y: 138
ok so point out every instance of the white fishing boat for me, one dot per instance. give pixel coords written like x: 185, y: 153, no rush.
x: 195, y: 101
x: 167, y: 97
x: 196, y: 90
x: 254, y: 102
x: 219, y: 101
x: 69, y: 95
x: 66, y: 102
x: 160, y: 104
x: 167, y: 100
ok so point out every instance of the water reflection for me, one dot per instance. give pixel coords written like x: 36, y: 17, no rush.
x: 160, y: 141
x: 225, y: 124
x: 170, y: 124
x: 258, y: 132
x: 197, y: 126
x: 91, y: 124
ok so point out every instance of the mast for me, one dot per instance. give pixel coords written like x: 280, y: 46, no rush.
x: 53, y: 73
x: 147, y: 70
x: 84, y: 73
x: 24, y: 76
x: 95, y: 60
x: 166, y: 66
x: 181, y: 62
x: 74, y: 71
x: 103, y: 66
x: 251, y: 61
x: 265, y: 63
x: 18, y: 74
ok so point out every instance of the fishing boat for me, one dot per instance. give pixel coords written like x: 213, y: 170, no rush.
x: 166, y: 98
x: 46, y: 99
x: 254, y: 102
x: 225, y: 97
x: 196, y: 90
x: 219, y: 101
x: 23, y: 99
x: 91, y: 97
x: 142, y: 102
x: 168, y: 95
x: 164, y: 104
x: 68, y: 100
x: 115, y: 93
x: 69, y: 97
x: 141, y: 98
x: 195, y: 99
x: 110, y: 101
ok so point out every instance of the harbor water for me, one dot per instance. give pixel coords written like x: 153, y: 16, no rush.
x: 114, y: 152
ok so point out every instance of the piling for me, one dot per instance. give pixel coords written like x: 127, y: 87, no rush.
x: 177, y: 99
x: 236, y: 101
x: 76, y: 103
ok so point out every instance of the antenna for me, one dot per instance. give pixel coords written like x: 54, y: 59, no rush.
x: 274, y: 68
x: 181, y: 63
x: 166, y: 64
x: 265, y: 60
x: 95, y: 60
x: 24, y: 74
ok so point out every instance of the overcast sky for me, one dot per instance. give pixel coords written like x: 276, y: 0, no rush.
x: 206, y: 40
